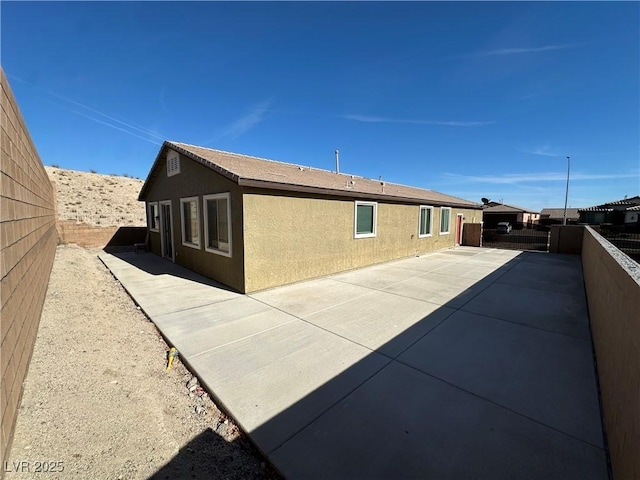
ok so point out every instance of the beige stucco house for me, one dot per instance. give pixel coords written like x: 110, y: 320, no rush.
x: 252, y: 223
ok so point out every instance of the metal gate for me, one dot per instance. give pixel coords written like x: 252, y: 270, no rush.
x: 517, y: 239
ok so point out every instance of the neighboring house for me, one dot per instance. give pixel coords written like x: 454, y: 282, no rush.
x: 495, y: 212
x: 620, y: 212
x: 252, y: 224
x: 555, y: 216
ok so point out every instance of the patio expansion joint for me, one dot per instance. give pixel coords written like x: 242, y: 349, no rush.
x: 504, y: 407
x: 525, y: 325
x: 209, y: 350
x: 195, y: 306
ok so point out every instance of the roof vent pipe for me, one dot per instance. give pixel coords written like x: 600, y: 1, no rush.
x: 337, y: 161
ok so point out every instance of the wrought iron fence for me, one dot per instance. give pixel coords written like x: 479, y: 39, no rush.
x: 517, y: 239
x: 628, y: 242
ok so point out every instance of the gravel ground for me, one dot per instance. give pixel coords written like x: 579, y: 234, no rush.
x: 98, y: 401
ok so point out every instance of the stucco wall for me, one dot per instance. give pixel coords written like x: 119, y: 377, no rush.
x: 27, y: 216
x: 290, y: 237
x: 197, y: 180
x: 612, y: 283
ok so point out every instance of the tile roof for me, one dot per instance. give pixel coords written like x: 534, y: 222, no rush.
x: 572, y: 213
x: 629, y: 203
x: 504, y: 208
x: 262, y: 173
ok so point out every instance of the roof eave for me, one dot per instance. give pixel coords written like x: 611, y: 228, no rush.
x: 262, y: 184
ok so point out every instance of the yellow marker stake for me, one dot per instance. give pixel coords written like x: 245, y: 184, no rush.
x: 173, y: 353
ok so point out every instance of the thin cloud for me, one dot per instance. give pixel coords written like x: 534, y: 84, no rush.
x: 520, y: 51
x: 516, y: 178
x: 115, y: 127
x: 241, y: 126
x: 545, y: 151
x: 375, y: 119
x: 129, y: 128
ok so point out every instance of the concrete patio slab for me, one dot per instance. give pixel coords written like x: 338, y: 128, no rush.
x: 542, y: 375
x: 411, y: 369
x: 405, y: 424
x: 557, y: 277
x: 279, y: 374
x: 385, y: 323
x: 305, y: 298
x: 425, y: 289
x: 558, y: 312
x: 197, y: 330
x: 376, y: 277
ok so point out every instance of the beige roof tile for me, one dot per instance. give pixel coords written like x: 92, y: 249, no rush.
x: 259, y: 172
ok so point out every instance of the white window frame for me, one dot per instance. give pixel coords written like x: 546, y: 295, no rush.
x: 153, y: 208
x: 182, y: 225
x: 425, y: 207
x: 442, y: 209
x: 217, y: 196
x: 355, y: 220
x: 173, y: 156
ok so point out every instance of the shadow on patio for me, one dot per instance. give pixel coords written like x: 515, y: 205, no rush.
x: 497, y: 381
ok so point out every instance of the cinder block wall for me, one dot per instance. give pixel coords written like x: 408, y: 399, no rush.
x: 27, y: 249
x: 612, y: 283
x: 84, y: 235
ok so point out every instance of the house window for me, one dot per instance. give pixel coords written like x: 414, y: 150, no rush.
x: 217, y: 224
x: 365, y: 219
x: 190, y: 222
x: 445, y: 220
x: 426, y: 221
x: 173, y: 163
x: 153, y: 218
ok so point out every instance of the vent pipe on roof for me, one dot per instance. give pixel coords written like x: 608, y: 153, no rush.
x: 337, y: 161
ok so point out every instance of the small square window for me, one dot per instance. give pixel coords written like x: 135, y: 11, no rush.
x: 153, y: 218
x: 445, y: 220
x: 365, y: 219
x: 425, y: 223
x: 190, y: 216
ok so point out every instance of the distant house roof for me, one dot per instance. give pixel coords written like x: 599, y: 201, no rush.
x: 262, y: 173
x: 495, y: 207
x: 558, y: 213
x: 626, y: 203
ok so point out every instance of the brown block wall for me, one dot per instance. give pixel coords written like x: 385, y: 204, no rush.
x: 84, y: 235
x: 612, y: 283
x: 566, y: 239
x: 27, y: 249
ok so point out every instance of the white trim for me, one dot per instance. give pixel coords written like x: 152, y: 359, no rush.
x: 461, y: 227
x: 150, y: 216
x: 161, y: 225
x: 442, y: 209
x: 182, y: 202
x: 173, y: 163
x: 355, y: 220
x: 216, y: 196
x: 427, y: 207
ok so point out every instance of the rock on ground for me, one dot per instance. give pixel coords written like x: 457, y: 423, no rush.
x: 99, y: 400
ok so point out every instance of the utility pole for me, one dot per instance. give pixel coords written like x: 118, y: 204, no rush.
x: 566, y: 193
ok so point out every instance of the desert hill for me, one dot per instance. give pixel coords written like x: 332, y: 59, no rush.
x: 96, y: 199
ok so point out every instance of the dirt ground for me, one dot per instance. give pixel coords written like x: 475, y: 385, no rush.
x: 98, y: 402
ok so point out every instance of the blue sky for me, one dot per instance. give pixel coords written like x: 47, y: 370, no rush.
x: 472, y: 99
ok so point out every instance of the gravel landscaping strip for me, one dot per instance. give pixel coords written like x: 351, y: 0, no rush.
x: 98, y: 401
